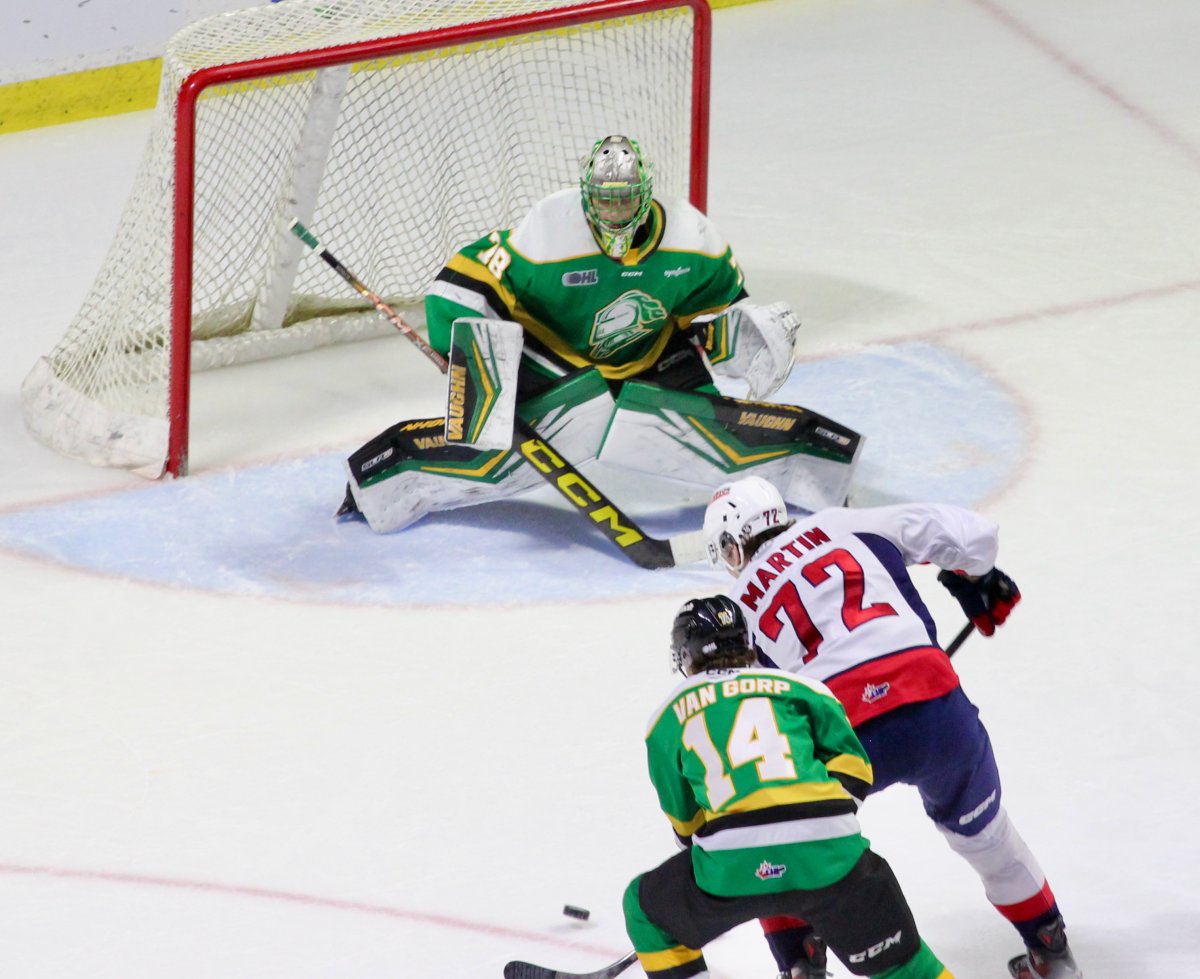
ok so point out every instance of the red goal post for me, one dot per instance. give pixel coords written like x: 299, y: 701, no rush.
x: 401, y: 128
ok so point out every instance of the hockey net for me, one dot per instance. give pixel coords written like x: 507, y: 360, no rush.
x: 399, y: 130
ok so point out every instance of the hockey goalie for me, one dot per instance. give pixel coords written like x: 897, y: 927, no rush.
x: 598, y: 321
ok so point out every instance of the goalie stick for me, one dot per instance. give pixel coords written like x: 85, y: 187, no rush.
x: 527, y: 970
x: 645, y: 551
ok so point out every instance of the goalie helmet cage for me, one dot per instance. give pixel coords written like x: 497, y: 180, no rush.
x: 400, y: 129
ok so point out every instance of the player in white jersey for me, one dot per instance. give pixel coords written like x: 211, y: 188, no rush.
x: 829, y: 596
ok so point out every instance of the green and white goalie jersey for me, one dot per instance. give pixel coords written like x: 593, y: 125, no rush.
x: 549, y: 275
x: 759, y: 771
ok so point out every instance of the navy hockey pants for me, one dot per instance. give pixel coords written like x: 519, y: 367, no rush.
x: 941, y: 747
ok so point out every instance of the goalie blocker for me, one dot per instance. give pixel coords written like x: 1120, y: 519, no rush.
x: 481, y: 384
x: 412, y: 469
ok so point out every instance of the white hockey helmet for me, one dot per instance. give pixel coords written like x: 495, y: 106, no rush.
x: 739, y: 512
x: 616, y: 186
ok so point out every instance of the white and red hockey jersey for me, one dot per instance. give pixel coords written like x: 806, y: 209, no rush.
x: 831, y: 598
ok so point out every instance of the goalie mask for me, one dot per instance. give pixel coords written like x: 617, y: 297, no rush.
x: 710, y: 631
x: 616, y: 187
x: 738, y: 513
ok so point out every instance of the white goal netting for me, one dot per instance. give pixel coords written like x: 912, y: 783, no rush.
x: 395, y: 158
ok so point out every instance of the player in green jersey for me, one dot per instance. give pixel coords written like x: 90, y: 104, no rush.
x: 610, y: 284
x: 760, y: 774
x: 588, y: 319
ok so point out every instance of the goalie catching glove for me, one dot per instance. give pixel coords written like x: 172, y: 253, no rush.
x: 987, y: 600
x: 756, y: 343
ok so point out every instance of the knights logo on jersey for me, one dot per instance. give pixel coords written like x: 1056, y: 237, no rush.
x: 627, y: 319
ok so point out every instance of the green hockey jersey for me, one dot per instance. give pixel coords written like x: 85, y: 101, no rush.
x: 754, y: 768
x: 549, y: 274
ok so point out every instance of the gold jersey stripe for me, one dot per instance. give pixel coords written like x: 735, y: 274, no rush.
x: 693, y: 824
x: 786, y: 795
x: 613, y: 372
x: 480, y: 273
x: 853, y: 766
x: 767, y: 798
x: 670, y: 959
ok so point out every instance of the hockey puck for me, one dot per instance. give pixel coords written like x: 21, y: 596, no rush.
x: 573, y: 912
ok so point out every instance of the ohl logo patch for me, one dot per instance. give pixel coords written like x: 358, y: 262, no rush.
x: 875, y: 691
x: 770, y: 871
x: 586, y: 277
x: 628, y: 318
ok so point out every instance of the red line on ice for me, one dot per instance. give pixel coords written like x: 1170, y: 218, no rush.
x: 1060, y: 57
x: 1064, y: 309
x: 309, y: 900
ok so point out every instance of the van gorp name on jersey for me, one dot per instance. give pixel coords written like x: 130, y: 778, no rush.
x: 696, y: 700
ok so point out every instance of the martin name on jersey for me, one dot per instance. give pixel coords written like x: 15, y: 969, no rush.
x: 830, y: 598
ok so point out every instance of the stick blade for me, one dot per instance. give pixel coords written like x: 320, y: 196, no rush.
x: 649, y: 553
x: 527, y: 970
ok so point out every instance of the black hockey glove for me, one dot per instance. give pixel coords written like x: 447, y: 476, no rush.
x: 986, y: 600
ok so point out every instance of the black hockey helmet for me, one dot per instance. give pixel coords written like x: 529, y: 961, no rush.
x: 705, y: 630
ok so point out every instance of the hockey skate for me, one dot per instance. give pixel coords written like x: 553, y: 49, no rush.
x: 349, y: 509
x: 812, y: 966
x: 1053, y: 960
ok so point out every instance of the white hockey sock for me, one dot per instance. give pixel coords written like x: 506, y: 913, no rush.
x: 1008, y: 869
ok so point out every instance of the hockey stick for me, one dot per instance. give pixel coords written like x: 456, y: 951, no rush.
x: 645, y: 551
x: 961, y: 638
x: 527, y: 970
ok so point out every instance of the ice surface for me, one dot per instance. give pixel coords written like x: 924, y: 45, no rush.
x: 242, y: 741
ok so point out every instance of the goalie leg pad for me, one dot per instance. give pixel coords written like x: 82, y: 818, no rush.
x: 708, y: 439
x: 481, y: 389
x: 410, y: 470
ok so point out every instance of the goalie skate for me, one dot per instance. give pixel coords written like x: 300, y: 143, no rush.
x: 349, y: 509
